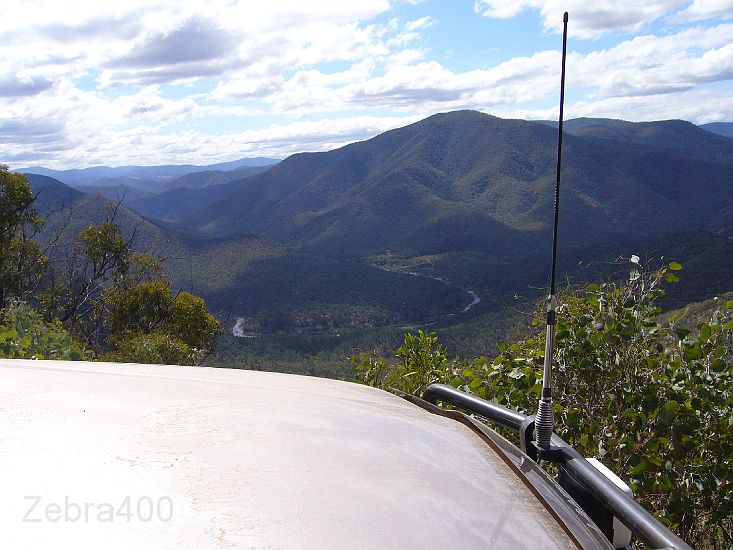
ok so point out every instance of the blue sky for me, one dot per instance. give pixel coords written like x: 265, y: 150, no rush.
x: 197, y: 81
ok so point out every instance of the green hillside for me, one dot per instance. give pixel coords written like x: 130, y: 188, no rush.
x: 175, y: 205
x: 466, y: 181
x: 274, y: 288
x: 201, y: 180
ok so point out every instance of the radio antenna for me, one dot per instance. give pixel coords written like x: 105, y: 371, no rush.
x: 545, y: 419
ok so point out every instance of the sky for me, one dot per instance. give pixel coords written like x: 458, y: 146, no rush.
x: 151, y: 82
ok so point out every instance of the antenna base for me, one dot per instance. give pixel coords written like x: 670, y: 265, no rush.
x: 544, y: 423
x: 529, y: 446
x: 551, y: 454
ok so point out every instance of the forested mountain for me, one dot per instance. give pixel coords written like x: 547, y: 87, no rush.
x: 207, y: 178
x: 176, y: 205
x: 467, y: 181
x: 51, y: 193
x: 462, y: 196
x: 664, y: 134
x: 269, y: 286
x: 121, y: 191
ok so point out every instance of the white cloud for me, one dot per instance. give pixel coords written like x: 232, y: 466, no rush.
x: 146, y: 82
x: 699, y: 106
x: 699, y: 10
x: 422, y: 23
x: 651, y: 64
x: 15, y: 86
x: 192, y: 146
x: 587, y: 19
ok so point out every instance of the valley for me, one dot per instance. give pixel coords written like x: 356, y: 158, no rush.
x: 441, y: 224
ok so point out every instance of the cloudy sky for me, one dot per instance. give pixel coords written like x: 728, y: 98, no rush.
x: 204, y: 81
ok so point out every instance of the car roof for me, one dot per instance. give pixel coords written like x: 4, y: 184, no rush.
x: 246, y: 459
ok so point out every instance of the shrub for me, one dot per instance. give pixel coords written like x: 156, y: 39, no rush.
x: 155, y: 348
x: 654, y: 402
x: 25, y: 335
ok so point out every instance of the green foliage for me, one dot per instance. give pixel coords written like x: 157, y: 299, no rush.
x: 155, y: 347
x: 119, y: 302
x: 421, y: 361
x: 22, y: 262
x: 25, y: 335
x: 142, y: 308
x: 191, y: 322
x: 99, y: 262
x: 105, y: 248
x: 149, y: 323
x: 654, y: 402
x: 16, y: 201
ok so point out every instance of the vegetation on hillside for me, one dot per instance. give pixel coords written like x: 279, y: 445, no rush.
x: 94, y: 295
x: 651, y: 399
x: 469, y: 182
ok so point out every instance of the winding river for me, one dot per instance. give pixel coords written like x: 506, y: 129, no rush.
x: 239, y: 332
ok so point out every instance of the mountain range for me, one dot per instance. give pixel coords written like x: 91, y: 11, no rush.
x: 467, y: 181
x: 92, y: 175
x: 722, y: 128
x: 316, y: 241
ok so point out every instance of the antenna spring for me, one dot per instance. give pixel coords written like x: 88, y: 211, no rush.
x: 544, y: 424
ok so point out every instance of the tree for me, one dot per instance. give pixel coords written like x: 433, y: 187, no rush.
x: 114, y: 300
x: 150, y: 324
x: 119, y: 303
x: 22, y: 262
x: 99, y: 260
x: 421, y: 361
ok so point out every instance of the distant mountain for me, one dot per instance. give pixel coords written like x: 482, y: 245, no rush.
x: 177, y: 204
x: 467, y: 181
x: 144, y: 194
x: 721, y: 128
x: 149, y: 184
x: 208, y: 178
x: 668, y: 134
x: 120, y: 192
x: 88, y: 176
x: 51, y: 193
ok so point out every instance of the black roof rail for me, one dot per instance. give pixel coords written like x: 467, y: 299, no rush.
x: 633, y: 515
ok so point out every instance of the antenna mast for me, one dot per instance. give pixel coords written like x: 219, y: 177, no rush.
x: 545, y: 419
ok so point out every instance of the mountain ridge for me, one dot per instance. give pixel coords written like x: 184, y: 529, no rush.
x: 90, y: 175
x: 418, y: 182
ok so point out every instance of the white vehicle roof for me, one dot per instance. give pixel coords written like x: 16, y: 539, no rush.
x: 245, y: 459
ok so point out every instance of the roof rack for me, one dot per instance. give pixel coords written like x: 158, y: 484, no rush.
x: 597, y: 490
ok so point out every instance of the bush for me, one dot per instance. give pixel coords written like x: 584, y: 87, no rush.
x: 422, y: 360
x: 25, y: 335
x: 654, y: 402
x: 150, y: 325
x: 154, y: 348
